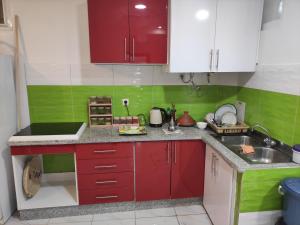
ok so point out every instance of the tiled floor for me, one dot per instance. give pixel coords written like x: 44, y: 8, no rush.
x: 181, y: 215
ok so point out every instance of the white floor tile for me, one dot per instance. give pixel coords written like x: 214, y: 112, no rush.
x: 194, y: 220
x: 157, y: 221
x: 13, y: 221
x: 115, y: 222
x: 74, y: 223
x: 189, y: 210
x: 36, y: 222
x: 71, y: 219
x: 155, y: 212
x: 114, y: 216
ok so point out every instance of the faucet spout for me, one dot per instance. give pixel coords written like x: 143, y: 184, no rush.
x: 269, y: 142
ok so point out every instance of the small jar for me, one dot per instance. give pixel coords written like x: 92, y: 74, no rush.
x: 128, y: 120
x: 135, y: 120
x: 296, y: 154
x: 94, y: 121
x: 93, y: 100
x: 116, y: 120
x: 122, y: 120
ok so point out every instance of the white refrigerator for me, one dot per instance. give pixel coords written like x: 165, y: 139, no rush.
x: 8, y: 126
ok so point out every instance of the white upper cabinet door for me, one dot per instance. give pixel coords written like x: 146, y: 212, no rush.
x: 237, y: 35
x: 192, y: 35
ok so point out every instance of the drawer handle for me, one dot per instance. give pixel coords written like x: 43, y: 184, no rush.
x: 107, y: 182
x: 107, y: 197
x: 104, y: 151
x: 105, y: 167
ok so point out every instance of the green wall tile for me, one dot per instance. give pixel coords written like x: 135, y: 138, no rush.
x: 276, y: 111
x: 259, y: 189
x: 69, y: 103
x: 58, y: 163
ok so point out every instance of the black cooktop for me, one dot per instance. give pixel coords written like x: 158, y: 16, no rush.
x: 37, y: 129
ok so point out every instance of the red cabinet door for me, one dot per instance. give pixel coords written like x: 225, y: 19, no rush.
x: 153, y: 168
x: 109, y: 31
x: 148, y: 31
x: 188, y: 169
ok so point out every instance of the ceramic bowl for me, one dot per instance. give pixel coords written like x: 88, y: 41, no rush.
x: 201, y: 125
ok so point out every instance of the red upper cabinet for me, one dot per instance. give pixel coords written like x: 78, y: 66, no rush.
x: 153, y: 165
x: 148, y: 20
x: 128, y: 31
x: 109, y: 31
x: 188, y: 169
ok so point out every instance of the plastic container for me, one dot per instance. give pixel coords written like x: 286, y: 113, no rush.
x: 290, y: 189
x: 296, y: 154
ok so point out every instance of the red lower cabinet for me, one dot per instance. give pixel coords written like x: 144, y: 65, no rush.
x: 106, y: 195
x: 105, y: 173
x: 153, y: 164
x: 188, y: 169
x: 172, y: 169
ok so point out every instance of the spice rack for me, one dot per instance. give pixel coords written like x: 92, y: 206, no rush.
x: 100, y: 111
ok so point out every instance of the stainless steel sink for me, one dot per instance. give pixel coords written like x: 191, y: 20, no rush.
x: 262, y: 155
x: 238, y: 140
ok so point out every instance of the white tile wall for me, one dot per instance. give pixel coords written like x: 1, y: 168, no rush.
x: 277, y: 78
x: 91, y: 74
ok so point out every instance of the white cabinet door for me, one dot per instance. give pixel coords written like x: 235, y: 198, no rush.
x: 209, y: 182
x: 237, y: 35
x: 192, y: 34
x: 218, y: 188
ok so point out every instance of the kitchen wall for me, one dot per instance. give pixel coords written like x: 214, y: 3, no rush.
x: 56, y: 45
x: 272, y: 93
x: 55, y: 52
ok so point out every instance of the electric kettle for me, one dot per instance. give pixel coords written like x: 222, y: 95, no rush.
x: 157, y: 117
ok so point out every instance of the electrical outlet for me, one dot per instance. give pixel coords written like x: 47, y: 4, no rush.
x: 125, y: 101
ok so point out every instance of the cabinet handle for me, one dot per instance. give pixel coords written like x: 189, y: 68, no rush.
x: 125, y: 49
x: 212, y: 164
x: 133, y: 49
x: 175, y: 153
x: 211, y: 59
x: 168, y: 152
x: 106, y: 167
x: 107, y: 182
x: 104, y: 151
x: 107, y: 197
x: 215, y: 167
x: 218, y: 58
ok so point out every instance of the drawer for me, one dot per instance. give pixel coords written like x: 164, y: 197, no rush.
x: 111, y: 180
x: 104, y: 151
x: 94, y: 166
x: 106, y: 195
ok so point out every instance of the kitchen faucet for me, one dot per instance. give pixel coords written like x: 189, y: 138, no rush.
x: 268, y: 140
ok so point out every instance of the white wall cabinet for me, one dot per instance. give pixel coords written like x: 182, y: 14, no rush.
x: 214, y: 35
x: 219, y: 188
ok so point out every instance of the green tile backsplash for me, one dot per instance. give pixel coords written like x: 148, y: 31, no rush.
x: 278, y: 112
x: 259, y: 189
x: 69, y: 103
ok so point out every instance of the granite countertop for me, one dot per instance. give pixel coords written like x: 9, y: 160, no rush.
x: 109, y: 135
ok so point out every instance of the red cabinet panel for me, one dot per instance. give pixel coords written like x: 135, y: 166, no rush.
x: 110, y: 180
x: 48, y: 149
x: 188, y: 169
x: 106, y: 195
x: 103, y: 151
x: 109, y: 31
x: 123, y: 31
x: 153, y: 164
x: 94, y: 166
x: 148, y: 31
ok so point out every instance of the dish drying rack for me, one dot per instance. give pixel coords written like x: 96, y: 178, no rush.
x: 239, y: 128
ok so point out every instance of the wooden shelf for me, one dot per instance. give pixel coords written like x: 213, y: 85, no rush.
x: 102, y: 104
x: 101, y: 115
